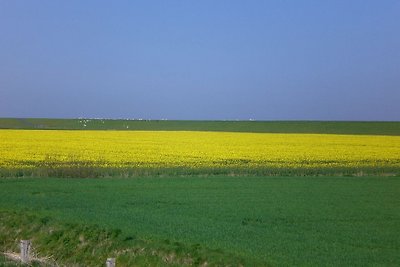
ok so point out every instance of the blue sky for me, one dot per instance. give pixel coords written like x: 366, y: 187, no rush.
x: 264, y: 60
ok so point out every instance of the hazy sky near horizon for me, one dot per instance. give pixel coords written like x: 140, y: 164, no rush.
x: 209, y: 59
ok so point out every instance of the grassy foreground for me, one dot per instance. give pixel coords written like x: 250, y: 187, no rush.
x: 261, y: 220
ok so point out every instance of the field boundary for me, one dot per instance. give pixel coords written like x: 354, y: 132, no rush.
x: 94, y: 171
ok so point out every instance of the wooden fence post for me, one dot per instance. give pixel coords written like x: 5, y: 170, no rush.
x: 25, y: 246
x: 110, y: 262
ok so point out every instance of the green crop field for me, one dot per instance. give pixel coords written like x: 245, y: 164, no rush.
x: 330, y: 127
x: 276, y: 221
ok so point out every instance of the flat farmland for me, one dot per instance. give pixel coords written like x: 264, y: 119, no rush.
x: 161, y: 193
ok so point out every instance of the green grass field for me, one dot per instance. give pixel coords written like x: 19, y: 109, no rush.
x: 333, y: 127
x: 278, y: 221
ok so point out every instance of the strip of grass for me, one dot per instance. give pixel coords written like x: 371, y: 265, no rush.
x: 329, y: 127
x: 276, y: 220
x: 88, y: 170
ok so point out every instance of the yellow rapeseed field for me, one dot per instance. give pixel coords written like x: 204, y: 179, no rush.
x: 158, y: 149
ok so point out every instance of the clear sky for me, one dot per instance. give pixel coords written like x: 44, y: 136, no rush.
x: 208, y: 59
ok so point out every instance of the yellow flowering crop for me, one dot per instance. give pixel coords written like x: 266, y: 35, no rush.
x: 157, y: 149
